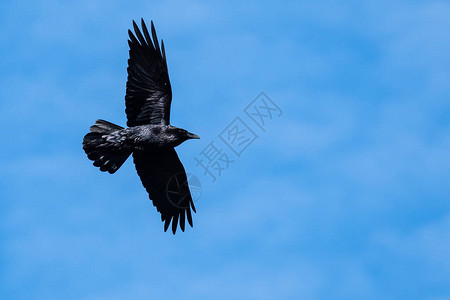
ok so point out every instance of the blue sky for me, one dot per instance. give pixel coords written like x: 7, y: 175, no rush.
x: 345, y: 196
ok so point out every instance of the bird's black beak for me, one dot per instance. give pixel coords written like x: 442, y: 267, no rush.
x: 192, y: 136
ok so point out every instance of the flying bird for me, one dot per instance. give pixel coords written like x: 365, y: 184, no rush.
x: 149, y: 136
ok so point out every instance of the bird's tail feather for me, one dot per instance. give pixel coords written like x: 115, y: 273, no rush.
x: 104, y: 153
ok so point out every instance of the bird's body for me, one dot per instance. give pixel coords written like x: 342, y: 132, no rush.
x: 149, y: 136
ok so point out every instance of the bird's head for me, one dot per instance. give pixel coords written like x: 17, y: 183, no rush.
x: 178, y: 135
x: 189, y: 135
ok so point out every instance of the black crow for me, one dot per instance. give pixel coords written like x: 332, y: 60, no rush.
x: 149, y: 136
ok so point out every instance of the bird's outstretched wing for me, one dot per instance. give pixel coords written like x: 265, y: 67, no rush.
x: 148, y: 94
x: 164, y: 178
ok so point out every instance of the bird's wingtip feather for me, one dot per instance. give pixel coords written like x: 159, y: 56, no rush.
x: 174, y: 223
x: 166, y: 224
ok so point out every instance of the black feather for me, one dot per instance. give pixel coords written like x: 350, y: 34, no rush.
x: 189, y: 217
x: 166, y: 224
x: 139, y: 35
x: 145, y: 31
x: 163, y: 50
x: 155, y: 39
x: 174, y: 223
x: 182, y: 220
